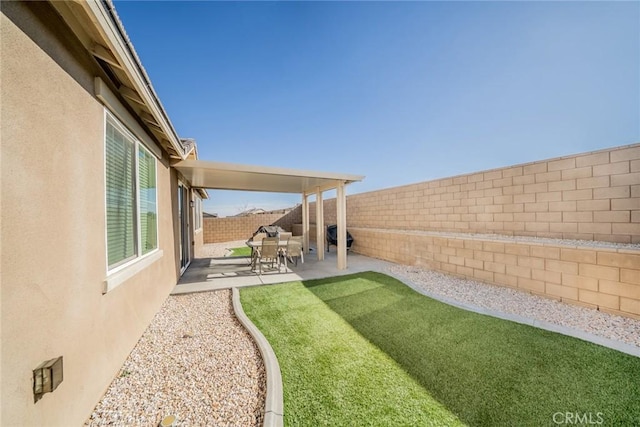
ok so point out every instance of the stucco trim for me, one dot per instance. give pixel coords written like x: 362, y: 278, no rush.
x: 116, y: 279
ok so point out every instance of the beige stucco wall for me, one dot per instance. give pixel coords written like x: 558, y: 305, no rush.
x: 53, y: 233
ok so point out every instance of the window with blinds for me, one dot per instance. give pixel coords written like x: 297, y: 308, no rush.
x: 131, y: 199
x: 148, y: 208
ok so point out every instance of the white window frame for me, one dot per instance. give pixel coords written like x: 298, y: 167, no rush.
x: 197, y: 213
x: 119, y: 273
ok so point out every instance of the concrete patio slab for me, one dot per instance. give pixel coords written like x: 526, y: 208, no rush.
x: 209, y: 274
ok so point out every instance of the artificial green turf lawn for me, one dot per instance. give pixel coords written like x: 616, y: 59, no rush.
x: 242, y: 251
x: 365, y: 349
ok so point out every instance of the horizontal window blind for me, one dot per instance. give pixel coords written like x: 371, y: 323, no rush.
x: 148, y: 208
x: 121, y: 215
x: 131, y: 196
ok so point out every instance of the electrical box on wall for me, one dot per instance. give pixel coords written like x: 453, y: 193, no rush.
x: 47, y: 377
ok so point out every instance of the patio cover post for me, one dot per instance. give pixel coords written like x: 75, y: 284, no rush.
x: 305, y: 222
x: 341, y: 216
x: 319, y: 225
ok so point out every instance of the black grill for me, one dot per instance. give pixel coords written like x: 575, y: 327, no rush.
x: 332, y: 237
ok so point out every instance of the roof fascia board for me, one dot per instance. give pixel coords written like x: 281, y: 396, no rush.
x: 111, y: 101
x: 101, y: 18
x: 202, y: 192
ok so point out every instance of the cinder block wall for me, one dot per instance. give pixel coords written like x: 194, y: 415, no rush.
x: 603, y: 278
x: 590, y: 196
x: 238, y: 228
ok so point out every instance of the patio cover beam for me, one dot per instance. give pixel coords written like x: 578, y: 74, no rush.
x: 229, y: 176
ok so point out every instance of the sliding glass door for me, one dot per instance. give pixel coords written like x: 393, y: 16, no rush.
x: 183, y: 219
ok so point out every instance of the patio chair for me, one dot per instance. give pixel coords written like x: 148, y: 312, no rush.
x: 268, y: 253
x: 294, y: 249
x: 258, y: 237
x: 285, y: 235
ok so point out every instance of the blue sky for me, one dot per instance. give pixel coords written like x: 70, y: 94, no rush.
x: 401, y: 92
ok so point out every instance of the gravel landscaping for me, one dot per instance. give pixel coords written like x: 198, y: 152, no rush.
x: 513, y: 301
x: 194, y: 361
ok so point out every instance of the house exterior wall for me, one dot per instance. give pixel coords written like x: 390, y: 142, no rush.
x: 53, y: 260
x: 588, y: 196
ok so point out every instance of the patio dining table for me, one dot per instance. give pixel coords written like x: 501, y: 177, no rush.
x: 253, y: 245
x: 282, y: 246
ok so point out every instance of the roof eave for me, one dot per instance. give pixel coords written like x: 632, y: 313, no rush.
x: 97, y: 26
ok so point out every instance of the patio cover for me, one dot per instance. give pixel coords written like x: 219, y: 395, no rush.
x: 228, y: 176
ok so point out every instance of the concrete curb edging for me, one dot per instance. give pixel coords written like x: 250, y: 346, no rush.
x: 541, y: 324
x: 274, y: 400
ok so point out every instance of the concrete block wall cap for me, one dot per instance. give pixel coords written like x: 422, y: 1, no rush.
x: 274, y: 400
